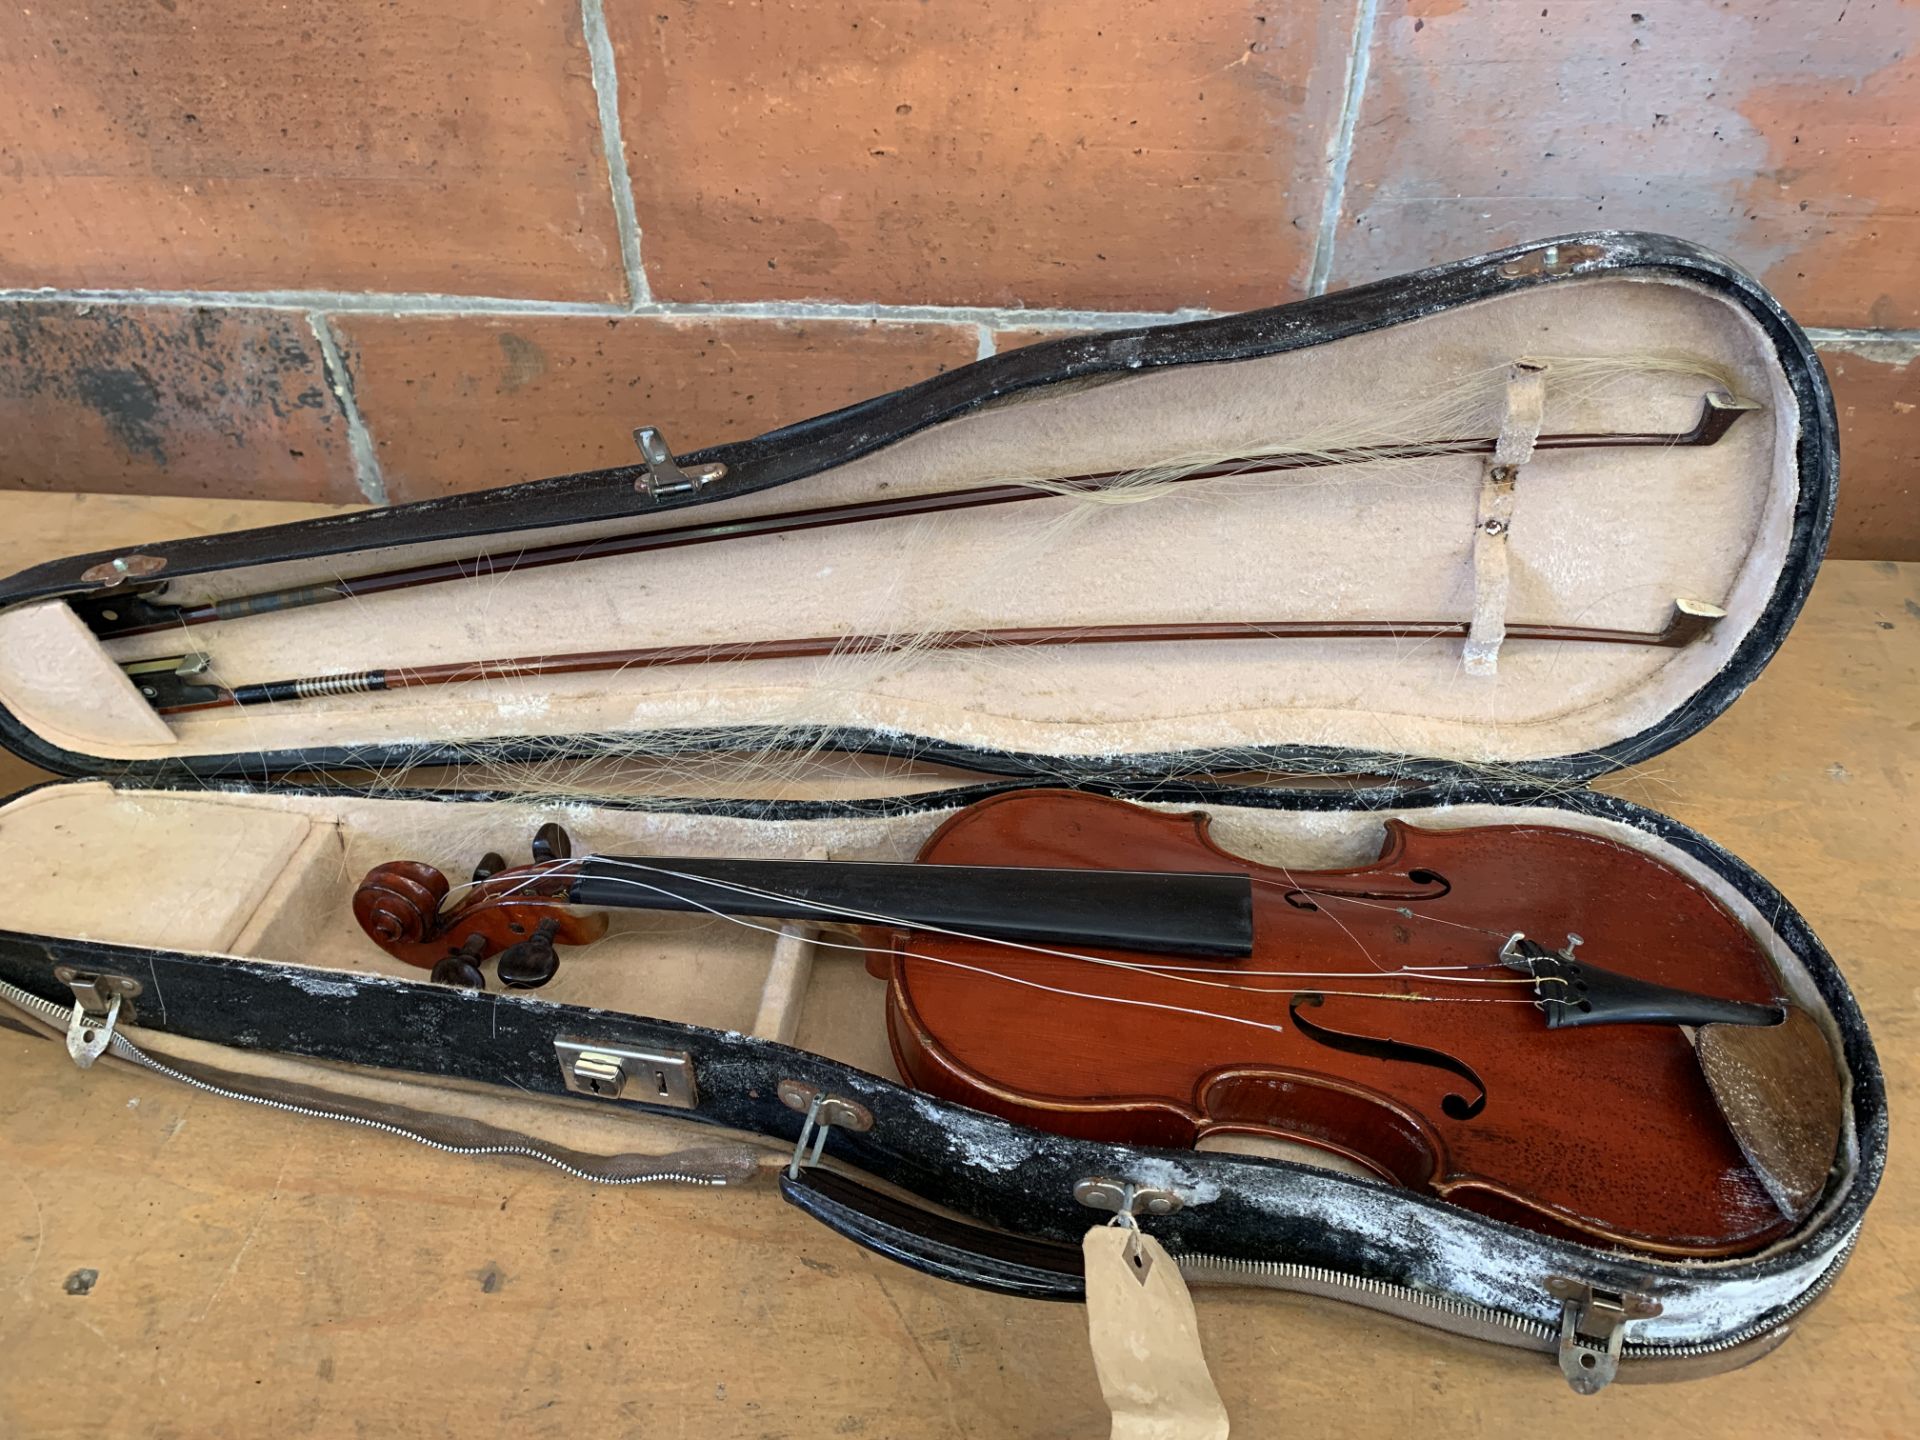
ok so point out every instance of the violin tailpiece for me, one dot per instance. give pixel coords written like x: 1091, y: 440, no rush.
x: 1576, y: 995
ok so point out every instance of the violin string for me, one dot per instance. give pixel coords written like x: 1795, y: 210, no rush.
x: 1358, y: 944
x: 955, y: 964
x: 1405, y: 911
x: 879, y: 918
x: 1355, y: 975
x: 872, y: 917
x: 1031, y: 984
x: 567, y: 867
x: 1429, y: 971
x: 563, y: 867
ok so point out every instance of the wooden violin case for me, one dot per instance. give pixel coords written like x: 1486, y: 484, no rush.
x: 182, y: 902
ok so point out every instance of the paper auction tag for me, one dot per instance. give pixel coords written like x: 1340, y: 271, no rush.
x: 1146, y: 1341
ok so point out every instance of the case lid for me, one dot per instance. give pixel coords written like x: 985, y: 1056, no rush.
x: 1545, y: 511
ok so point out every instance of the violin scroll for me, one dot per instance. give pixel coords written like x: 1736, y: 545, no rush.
x: 399, y: 903
x: 517, y: 914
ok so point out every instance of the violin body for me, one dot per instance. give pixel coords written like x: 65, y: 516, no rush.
x: 1424, y: 1017
x: 1609, y: 1134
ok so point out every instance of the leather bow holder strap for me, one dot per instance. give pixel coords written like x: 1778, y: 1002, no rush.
x: 1492, y: 567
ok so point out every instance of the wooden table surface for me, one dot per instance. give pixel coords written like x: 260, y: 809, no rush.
x: 269, y: 1275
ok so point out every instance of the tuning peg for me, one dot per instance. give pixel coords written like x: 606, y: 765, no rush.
x: 491, y: 864
x: 462, y: 967
x: 532, y: 962
x: 550, y: 842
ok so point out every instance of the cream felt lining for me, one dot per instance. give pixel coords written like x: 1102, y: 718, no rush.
x: 207, y: 879
x: 1604, y: 538
x: 78, y: 696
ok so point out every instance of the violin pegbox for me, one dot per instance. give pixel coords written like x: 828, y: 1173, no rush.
x: 519, y: 914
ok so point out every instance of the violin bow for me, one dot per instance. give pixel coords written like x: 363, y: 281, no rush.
x: 180, y: 684
x: 122, y: 614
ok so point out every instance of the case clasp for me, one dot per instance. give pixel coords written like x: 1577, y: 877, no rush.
x: 613, y: 1072
x: 1593, y: 1328
x: 98, y: 1001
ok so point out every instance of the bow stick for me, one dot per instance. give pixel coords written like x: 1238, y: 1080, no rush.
x: 178, y: 684
x: 121, y: 614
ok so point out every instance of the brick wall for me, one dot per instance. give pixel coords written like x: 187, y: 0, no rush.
x: 379, y: 251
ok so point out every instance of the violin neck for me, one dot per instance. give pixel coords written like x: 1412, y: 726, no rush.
x: 1209, y: 915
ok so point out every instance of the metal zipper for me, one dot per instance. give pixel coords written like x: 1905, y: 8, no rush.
x: 1753, y: 1332
x: 118, y: 1045
x: 1543, y: 1335
x: 1441, y: 1306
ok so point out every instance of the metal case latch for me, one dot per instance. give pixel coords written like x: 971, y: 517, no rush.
x: 664, y: 476
x: 614, y: 1072
x: 823, y: 1112
x: 98, y: 1001
x: 1123, y: 1197
x: 1593, y: 1327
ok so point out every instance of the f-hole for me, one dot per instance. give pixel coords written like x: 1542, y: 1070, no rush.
x: 1421, y: 886
x: 1454, y: 1106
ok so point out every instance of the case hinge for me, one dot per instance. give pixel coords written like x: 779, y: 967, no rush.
x: 123, y: 568
x: 1123, y: 1197
x: 1593, y: 1328
x: 664, y: 476
x: 823, y: 1112
x: 98, y: 1003
x: 1555, y: 259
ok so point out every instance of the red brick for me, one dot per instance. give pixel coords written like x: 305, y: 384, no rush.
x: 1876, y: 388
x: 1780, y: 133
x: 157, y: 400
x: 399, y: 146
x: 463, y: 403
x: 1004, y: 340
x: 1121, y: 155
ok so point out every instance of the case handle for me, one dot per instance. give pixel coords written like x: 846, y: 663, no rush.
x: 936, y: 1244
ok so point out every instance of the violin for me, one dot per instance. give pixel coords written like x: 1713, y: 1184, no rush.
x: 1535, y: 1023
